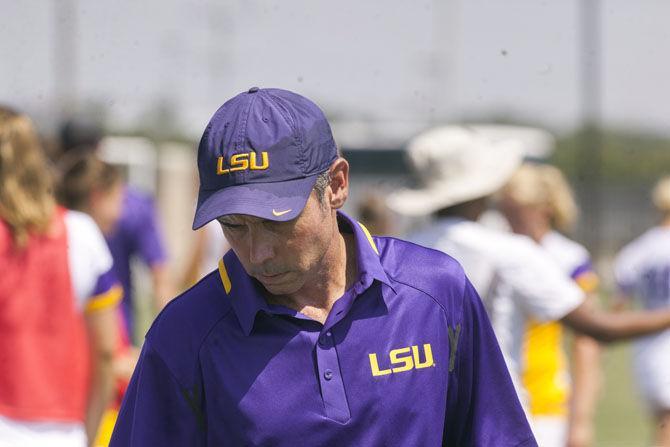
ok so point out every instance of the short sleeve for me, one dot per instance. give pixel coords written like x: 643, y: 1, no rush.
x: 93, y: 279
x: 482, y: 405
x: 585, y: 276
x: 107, y: 292
x: 157, y: 410
x: 540, y: 287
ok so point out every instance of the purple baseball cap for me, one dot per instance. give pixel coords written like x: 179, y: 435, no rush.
x: 260, y: 155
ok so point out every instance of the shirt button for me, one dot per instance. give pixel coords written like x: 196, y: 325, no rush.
x: 328, y: 374
x: 323, y: 340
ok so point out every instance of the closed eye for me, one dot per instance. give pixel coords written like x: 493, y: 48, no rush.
x: 229, y: 225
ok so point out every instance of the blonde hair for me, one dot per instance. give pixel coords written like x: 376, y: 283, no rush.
x: 26, y: 186
x: 544, y: 185
x: 660, y: 195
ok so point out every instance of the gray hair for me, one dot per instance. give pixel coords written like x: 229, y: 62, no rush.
x: 322, y: 182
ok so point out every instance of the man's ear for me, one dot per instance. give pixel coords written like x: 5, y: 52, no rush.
x: 339, y: 183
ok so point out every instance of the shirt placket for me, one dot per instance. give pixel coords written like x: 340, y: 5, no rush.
x: 333, y: 393
x: 328, y: 362
x: 330, y: 378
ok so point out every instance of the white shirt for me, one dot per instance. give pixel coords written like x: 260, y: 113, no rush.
x: 514, y: 277
x: 88, y: 255
x: 642, y: 272
x: 642, y: 269
x: 568, y: 254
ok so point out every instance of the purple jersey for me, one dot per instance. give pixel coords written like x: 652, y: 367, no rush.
x: 406, y: 357
x: 136, y: 234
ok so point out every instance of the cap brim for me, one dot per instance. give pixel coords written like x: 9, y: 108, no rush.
x: 280, y: 201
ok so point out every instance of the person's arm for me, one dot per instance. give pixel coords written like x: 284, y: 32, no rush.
x: 586, y: 380
x: 192, y: 270
x: 585, y: 390
x: 125, y: 363
x: 157, y: 410
x: 620, y: 302
x: 548, y: 294
x: 586, y: 376
x: 98, y: 296
x: 151, y: 248
x: 163, y: 287
x: 102, y: 325
x: 609, y: 326
x: 482, y: 405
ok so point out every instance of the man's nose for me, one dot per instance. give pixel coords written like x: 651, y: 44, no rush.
x: 261, y: 249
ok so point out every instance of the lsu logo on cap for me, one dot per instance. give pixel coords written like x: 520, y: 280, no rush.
x: 403, y: 359
x: 242, y: 162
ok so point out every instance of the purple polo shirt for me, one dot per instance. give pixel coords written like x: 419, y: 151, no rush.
x: 136, y: 234
x: 406, y: 357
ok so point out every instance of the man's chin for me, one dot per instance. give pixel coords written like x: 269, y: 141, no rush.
x: 279, y: 285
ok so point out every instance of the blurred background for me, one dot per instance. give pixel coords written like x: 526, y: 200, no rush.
x: 151, y: 73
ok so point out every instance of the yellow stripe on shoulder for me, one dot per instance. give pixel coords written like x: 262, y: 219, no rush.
x: 224, y: 276
x: 105, y: 300
x: 367, y: 234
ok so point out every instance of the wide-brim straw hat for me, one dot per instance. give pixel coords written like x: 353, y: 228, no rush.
x: 456, y: 164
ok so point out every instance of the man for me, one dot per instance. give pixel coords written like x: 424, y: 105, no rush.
x: 461, y: 168
x: 312, y: 332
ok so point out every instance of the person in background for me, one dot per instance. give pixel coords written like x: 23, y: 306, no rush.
x: 136, y: 234
x: 90, y: 185
x: 58, y: 304
x: 460, y: 169
x: 537, y: 202
x: 642, y: 274
x: 376, y: 216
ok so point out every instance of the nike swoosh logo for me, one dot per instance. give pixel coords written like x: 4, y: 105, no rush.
x: 280, y: 213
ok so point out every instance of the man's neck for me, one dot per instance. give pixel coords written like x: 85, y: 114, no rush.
x: 336, y: 272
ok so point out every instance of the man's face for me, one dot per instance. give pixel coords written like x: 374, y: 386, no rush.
x: 283, y: 256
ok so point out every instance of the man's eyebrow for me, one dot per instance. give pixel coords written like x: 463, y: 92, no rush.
x: 234, y: 219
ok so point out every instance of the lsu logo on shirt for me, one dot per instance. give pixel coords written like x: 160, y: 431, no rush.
x: 403, y: 359
x: 242, y: 162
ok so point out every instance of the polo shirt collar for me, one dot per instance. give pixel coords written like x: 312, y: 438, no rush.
x: 246, y: 294
x: 368, y: 256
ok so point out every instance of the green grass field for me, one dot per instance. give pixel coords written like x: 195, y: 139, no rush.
x: 621, y: 419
